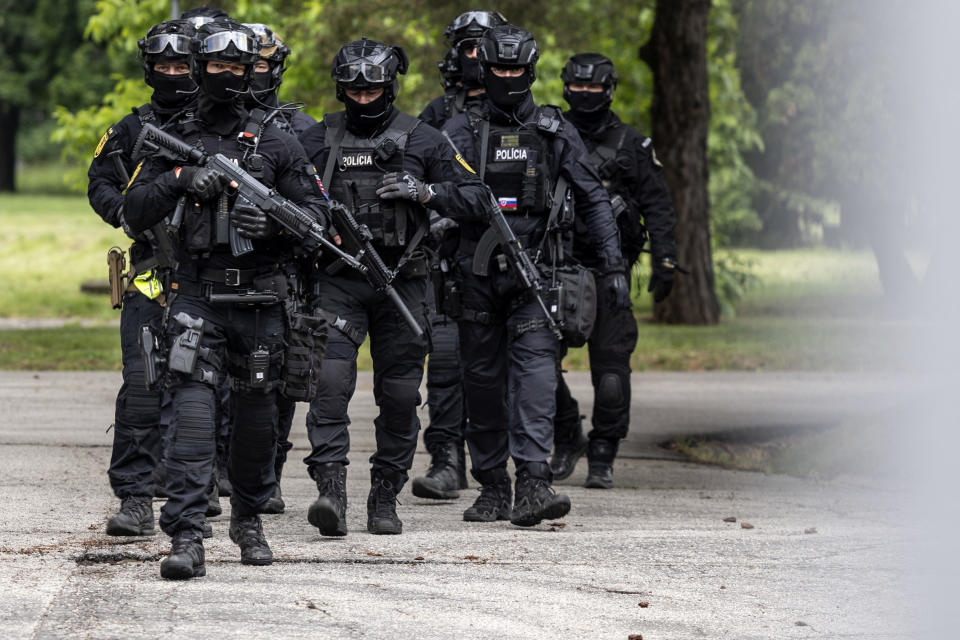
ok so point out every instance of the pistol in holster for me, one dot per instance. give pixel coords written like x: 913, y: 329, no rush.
x: 116, y: 266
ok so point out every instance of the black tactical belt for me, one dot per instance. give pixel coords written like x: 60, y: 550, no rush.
x: 235, y: 277
x: 212, y: 291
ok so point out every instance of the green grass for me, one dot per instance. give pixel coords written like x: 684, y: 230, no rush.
x: 70, y: 348
x: 814, y: 309
x: 48, y: 246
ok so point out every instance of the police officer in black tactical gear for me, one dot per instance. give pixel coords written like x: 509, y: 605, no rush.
x: 389, y: 169
x: 267, y: 77
x: 522, y: 152
x: 463, y: 35
x: 209, y: 322
x: 137, y: 430
x: 633, y: 176
x: 444, y: 436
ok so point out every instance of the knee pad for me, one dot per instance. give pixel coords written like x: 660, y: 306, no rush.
x: 610, y: 391
x: 192, y: 435
x: 137, y: 405
x: 400, y: 394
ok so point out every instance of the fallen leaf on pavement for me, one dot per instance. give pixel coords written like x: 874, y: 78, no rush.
x: 810, y: 530
x: 644, y: 604
x: 800, y: 623
x: 730, y: 519
x: 634, y: 636
x: 746, y: 525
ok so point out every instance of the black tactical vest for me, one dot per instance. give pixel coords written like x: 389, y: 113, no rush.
x: 354, y: 171
x: 516, y: 161
x: 199, y: 224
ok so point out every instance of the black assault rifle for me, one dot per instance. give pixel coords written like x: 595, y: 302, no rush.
x: 295, y: 220
x: 518, y: 258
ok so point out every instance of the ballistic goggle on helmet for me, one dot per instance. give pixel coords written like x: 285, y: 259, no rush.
x: 368, y: 64
x: 471, y: 26
x: 165, y: 42
x: 509, y: 46
x: 225, y: 41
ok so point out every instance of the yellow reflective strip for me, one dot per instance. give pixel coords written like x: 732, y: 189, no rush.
x: 464, y: 164
x: 135, y: 174
x: 103, y: 141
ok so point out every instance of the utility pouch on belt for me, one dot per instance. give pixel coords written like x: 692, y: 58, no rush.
x: 305, y: 344
x: 116, y: 264
x: 186, y: 346
x: 573, y: 303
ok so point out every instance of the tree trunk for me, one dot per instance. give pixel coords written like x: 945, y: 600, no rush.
x: 9, y: 122
x: 677, y: 55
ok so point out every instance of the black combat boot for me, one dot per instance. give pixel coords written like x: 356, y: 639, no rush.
x: 224, y: 487
x: 495, y: 497
x: 600, y: 457
x: 329, y: 511
x: 568, y: 450
x: 247, y: 532
x: 536, y: 500
x: 382, y: 501
x: 207, y: 530
x: 462, y: 455
x: 442, y: 481
x: 135, y: 518
x: 186, y: 557
x: 213, y: 500
x: 276, y: 504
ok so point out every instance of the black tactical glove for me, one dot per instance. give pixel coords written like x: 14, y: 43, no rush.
x: 404, y: 185
x: 441, y: 229
x: 202, y: 182
x: 618, y: 290
x: 661, y: 282
x: 252, y: 222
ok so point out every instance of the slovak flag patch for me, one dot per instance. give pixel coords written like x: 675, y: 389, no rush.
x: 508, y: 203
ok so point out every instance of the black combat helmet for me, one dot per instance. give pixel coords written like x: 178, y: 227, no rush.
x: 450, y: 71
x: 508, y: 46
x: 464, y: 35
x: 165, y: 42
x: 224, y: 41
x: 274, y: 52
x: 204, y: 14
x: 368, y: 64
x: 589, y: 68
x: 472, y: 25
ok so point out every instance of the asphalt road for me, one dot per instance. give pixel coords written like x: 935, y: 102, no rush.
x: 652, y: 557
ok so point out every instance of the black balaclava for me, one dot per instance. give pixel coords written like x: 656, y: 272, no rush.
x: 506, y: 92
x: 262, y: 84
x: 220, y: 103
x: 470, y: 69
x: 171, y: 92
x: 588, y: 102
x: 366, y: 119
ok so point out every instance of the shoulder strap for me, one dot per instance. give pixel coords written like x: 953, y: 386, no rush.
x: 335, y: 132
x: 484, y: 145
x: 146, y: 114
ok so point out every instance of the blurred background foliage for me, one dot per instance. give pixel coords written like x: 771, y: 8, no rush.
x: 795, y: 88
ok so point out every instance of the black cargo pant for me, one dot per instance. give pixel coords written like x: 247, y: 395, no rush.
x: 398, y: 359
x: 137, y: 433
x: 231, y: 332
x: 610, y: 346
x: 510, y: 372
x: 445, y: 395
